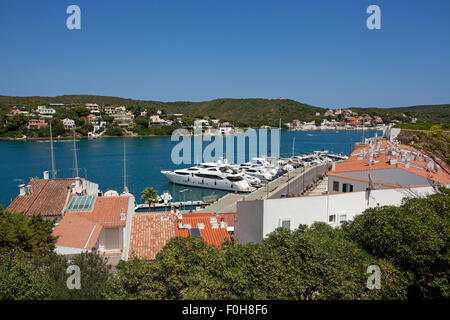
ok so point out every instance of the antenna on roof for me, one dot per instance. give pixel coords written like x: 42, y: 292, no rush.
x: 75, y: 160
x: 51, y: 151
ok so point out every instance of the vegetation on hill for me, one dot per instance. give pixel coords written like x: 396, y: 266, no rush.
x: 242, y: 112
x: 429, y: 114
x: 409, y: 243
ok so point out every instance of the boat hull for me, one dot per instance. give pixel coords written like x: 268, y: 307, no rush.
x: 193, y: 181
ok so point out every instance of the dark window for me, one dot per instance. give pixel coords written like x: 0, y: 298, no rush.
x: 235, y: 178
x: 346, y: 187
x: 336, y: 186
x: 208, y: 176
x: 182, y: 173
x: 286, y: 224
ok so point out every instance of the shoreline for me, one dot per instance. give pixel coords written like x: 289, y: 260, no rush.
x: 150, y: 136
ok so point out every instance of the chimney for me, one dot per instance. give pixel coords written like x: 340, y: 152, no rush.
x: 28, y: 189
x: 77, y: 182
x: 22, y: 190
x: 122, y: 215
x: 333, y: 166
x: 46, y: 175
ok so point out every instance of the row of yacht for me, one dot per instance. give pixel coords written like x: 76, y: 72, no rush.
x: 245, y: 177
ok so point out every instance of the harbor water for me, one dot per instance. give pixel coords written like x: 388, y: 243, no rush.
x: 101, y: 160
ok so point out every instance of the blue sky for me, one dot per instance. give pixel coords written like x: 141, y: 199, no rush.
x: 317, y: 52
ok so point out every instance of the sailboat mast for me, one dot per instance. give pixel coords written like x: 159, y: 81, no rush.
x: 293, y: 146
x: 279, y: 141
x: 75, y: 160
x: 124, y: 167
x: 52, y: 153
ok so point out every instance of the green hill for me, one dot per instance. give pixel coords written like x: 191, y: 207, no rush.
x: 251, y: 112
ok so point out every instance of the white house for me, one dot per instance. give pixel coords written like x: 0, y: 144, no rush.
x: 68, y: 123
x: 93, y: 107
x: 374, y: 175
x: 43, y: 110
x: 256, y: 219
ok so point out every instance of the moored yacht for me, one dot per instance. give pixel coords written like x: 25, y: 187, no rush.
x: 210, y: 175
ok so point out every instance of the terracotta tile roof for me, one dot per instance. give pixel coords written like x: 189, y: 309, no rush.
x: 48, y: 198
x: 210, y: 235
x: 229, y: 218
x: 81, y: 229
x: 150, y: 231
x: 107, y: 210
x: 75, y: 231
x: 417, y: 167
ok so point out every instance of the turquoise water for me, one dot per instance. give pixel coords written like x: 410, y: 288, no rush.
x: 101, y: 160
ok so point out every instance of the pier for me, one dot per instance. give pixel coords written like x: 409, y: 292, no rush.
x: 178, y: 204
x: 292, y: 182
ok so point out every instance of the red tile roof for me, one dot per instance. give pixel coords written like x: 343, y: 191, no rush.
x: 150, y: 231
x: 48, y: 198
x: 210, y: 235
x: 416, y: 167
x: 75, y: 231
x: 82, y: 229
x: 229, y: 218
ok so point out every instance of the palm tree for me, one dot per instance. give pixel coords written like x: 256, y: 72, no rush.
x: 149, y: 195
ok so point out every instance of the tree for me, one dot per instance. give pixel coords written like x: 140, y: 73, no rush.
x: 16, y: 122
x: 414, y: 237
x: 33, y: 235
x: 19, y: 280
x: 81, y: 111
x: 308, y: 263
x: 436, y: 141
x: 149, y: 195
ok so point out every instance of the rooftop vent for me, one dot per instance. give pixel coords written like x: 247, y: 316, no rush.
x: 187, y: 226
x: 22, y: 190
x: 165, y: 218
x: 28, y: 189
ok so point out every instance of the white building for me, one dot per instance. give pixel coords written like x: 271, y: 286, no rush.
x: 93, y: 107
x: 375, y: 175
x: 43, y: 110
x: 68, y: 123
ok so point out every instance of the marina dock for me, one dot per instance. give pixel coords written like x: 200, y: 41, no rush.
x: 292, y: 182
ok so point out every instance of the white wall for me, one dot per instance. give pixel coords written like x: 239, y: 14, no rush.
x: 310, y: 209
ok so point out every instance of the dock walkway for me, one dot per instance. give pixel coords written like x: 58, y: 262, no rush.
x: 292, y: 182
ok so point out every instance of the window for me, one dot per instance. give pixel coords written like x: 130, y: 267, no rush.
x: 336, y: 186
x: 82, y: 203
x: 235, y: 178
x: 342, y: 218
x: 346, y: 187
x: 332, y: 218
x: 285, y: 223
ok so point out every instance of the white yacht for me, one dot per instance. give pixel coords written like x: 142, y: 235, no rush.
x: 210, y: 175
